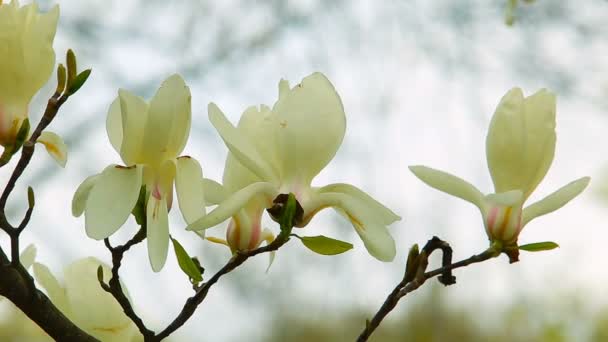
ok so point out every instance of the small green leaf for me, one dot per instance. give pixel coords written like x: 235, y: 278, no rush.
x: 31, y: 200
x: 79, y: 81
x: 100, y: 274
x: 186, y: 264
x: 72, y: 68
x: 412, y: 263
x: 324, y: 245
x: 539, y: 246
x: 61, y: 79
x: 139, y: 211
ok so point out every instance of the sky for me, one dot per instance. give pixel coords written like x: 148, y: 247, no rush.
x: 419, y: 81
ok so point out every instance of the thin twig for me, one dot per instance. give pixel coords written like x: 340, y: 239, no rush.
x: 405, y: 286
x: 114, y: 286
x: 193, y: 302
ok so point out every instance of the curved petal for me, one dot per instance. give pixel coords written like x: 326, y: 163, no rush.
x: 26, y: 46
x: 387, y: 215
x: 158, y: 232
x: 260, y: 125
x: 28, y: 256
x: 214, y: 192
x: 368, y: 222
x: 79, y: 201
x: 239, y: 145
x: 521, y: 140
x: 449, y: 184
x: 311, y: 126
x: 54, y: 146
x: 114, y: 124
x: 555, y: 200
x: 84, y: 293
x: 111, y: 200
x: 190, y: 192
x: 134, y: 114
x: 168, y: 124
x: 54, y: 290
x: 228, y: 208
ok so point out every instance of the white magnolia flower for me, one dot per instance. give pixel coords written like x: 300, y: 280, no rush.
x: 84, y: 302
x: 281, y: 150
x: 149, y: 139
x: 519, y: 147
x: 26, y: 63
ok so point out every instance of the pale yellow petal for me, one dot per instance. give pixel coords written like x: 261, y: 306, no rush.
x: 93, y: 309
x: 368, y: 222
x: 311, y: 126
x: 28, y: 256
x: 158, y: 232
x: 54, y: 290
x: 114, y: 124
x: 189, y: 188
x: 521, y: 140
x: 385, y: 213
x: 449, y: 184
x: 214, y: 192
x: 79, y: 201
x: 265, y: 192
x: 240, y: 146
x: 111, y: 200
x: 54, y: 146
x: 134, y: 114
x: 555, y: 200
x: 168, y: 124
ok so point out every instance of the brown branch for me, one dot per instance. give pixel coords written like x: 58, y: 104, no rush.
x: 16, y: 283
x: 420, y: 276
x: 115, y: 288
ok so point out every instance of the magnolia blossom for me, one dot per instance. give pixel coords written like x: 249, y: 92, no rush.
x: 519, y: 148
x: 84, y: 302
x: 245, y: 228
x: 149, y: 139
x: 280, y: 151
x: 26, y: 63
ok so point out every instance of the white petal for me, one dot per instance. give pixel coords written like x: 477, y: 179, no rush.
x: 134, y: 111
x: 93, y: 309
x: 214, y: 192
x: 111, y: 200
x: 189, y: 187
x: 158, y: 232
x: 238, y: 144
x: 521, y: 140
x: 48, y: 281
x: 28, y: 256
x: 507, y: 199
x: 387, y: 215
x: 368, y: 222
x: 114, y: 124
x: 54, y: 146
x: 81, y: 195
x: 555, y: 200
x: 311, y: 126
x: 265, y: 192
x: 449, y: 184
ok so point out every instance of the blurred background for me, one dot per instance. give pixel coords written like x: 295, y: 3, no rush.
x: 419, y: 81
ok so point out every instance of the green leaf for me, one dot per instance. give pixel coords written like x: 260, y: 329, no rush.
x: 139, y: 211
x: 539, y: 246
x: 79, y: 81
x: 324, y: 245
x: 186, y: 264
